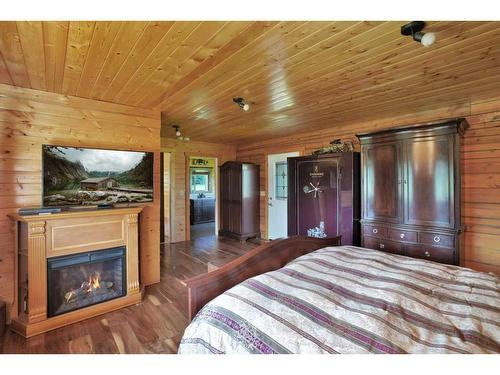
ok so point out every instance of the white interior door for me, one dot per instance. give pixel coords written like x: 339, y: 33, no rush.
x: 277, y: 194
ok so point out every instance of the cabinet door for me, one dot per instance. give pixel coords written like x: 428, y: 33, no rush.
x: 429, y: 181
x: 382, y: 182
x: 318, y: 192
x: 235, y: 184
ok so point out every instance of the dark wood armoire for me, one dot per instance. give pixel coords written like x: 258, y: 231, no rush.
x: 411, y: 190
x: 239, y: 200
x: 324, y: 196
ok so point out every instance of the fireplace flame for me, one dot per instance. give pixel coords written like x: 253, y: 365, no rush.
x: 94, y: 281
x: 88, y: 286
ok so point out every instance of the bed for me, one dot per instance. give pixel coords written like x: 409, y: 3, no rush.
x: 341, y: 299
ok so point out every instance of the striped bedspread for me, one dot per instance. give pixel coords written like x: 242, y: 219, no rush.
x: 353, y: 300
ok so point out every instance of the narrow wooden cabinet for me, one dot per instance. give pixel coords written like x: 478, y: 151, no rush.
x: 411, y: 190
x: 239, y: 198
x: 324, y: 196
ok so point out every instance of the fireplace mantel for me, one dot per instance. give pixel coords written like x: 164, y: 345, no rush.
x: 41, y: 237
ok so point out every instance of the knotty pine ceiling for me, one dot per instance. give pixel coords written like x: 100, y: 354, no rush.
x: 298, y: 76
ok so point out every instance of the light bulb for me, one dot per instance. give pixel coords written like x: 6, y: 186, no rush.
x: 245, y: 107
x: 187, y: 138
x: 178, y: 133
x: 428, y: 39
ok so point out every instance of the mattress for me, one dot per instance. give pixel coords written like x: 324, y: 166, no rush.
x: 349, y: 299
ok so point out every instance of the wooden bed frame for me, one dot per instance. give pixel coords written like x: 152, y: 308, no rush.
x: 267, y: 257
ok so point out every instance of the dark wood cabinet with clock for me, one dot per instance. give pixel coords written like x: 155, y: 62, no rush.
x: 411, y: 190
x: 324, y: 196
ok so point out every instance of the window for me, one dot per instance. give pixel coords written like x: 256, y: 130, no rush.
x: 200, y: 180
x: 281, y: 181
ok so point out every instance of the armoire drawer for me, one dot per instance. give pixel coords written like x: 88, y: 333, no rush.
x: 436, y: 254
x: 375, y: 231
x: 436, y: 239
x: 383, y: 245
x: 402, y: 235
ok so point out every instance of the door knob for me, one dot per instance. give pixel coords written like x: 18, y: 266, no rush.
x: 382, y: 246
x: 427, y: 254
x: 402, y: 235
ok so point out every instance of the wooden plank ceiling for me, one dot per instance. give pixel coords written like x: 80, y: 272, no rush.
x: 298, y: 76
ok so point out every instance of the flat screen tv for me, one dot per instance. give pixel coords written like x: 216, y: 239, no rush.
x: 74, y: 176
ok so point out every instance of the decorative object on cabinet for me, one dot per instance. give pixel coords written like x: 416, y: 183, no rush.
x: 239, y: 200
x: 335, y: 146
x: 324, y: 196
x: 411, y: 190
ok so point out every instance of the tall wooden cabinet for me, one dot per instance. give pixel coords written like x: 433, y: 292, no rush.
x: 324, y: 196
x: 411, y: 190
x: 239, y: 200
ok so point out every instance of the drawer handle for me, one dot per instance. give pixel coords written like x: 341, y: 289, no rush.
x: 427, y: 254
x: 375, y: 230
x: 381, y: 245
x: 402, y: 235
x: 437, y: 239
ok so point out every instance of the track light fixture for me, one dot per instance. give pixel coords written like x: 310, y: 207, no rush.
x: 178, y: 133
x: 415, y: 30
x: 242, y: 103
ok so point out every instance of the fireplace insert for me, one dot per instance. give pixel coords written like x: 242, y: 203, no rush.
x: 81, y: 280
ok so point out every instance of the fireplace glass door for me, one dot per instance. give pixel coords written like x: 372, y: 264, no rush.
x: 81, y: 280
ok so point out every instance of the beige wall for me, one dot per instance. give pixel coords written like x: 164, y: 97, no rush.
x: 480, y: 181
x: 30, y: 118
x: 180, y: 153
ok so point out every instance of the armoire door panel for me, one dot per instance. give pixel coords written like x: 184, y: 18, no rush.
x: 428, y: 183
x: 381, y: 186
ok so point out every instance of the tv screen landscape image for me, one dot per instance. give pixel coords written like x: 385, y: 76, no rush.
x: 74, y: 176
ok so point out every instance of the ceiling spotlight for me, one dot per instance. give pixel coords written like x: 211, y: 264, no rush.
x: 415, y: 30
x: 177, y: 130
x: 242, y: 103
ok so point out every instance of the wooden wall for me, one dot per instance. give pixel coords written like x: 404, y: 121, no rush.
x: 30, y: 118
x: 481, y: 170
x: 180, y: 150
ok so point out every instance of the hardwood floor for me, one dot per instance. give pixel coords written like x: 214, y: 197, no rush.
x: 154, y: 326
x: 202, y: 230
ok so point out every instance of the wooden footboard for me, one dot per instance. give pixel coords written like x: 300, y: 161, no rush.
x: 267, y: 257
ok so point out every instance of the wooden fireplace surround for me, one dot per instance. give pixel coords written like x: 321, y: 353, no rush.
x: 40, y: 237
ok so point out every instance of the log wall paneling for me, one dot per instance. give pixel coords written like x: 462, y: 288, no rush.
x: 30, y: 118
x: 480, y: 170
x: 179, y: 151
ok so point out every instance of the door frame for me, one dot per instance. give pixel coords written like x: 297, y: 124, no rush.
x: 163, y: 212
x: 297, y: 152
x: 187, y: 191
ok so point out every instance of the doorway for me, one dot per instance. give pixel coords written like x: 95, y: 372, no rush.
x: 277, y: 181
x: 202, y: 188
